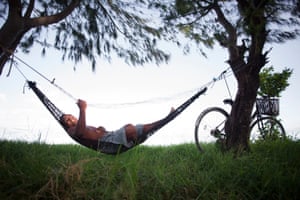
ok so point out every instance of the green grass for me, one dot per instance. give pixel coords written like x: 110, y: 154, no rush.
x: 40, y: 171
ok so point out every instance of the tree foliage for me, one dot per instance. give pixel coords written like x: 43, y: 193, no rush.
x: 273, y: 83
x: 210, y: 21
x: 78, y: 29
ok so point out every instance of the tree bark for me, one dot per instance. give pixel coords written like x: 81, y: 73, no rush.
x: 11, y: 32
x: 237, y: 127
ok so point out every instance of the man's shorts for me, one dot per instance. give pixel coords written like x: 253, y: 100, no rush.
x: 119, y: 136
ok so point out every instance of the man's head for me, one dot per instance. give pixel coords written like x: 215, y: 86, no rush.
x: 69, y: 121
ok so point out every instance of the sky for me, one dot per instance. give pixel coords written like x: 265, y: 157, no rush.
x: 114, y: 84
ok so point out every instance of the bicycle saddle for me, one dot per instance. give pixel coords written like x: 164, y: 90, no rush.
x: 228, y: 101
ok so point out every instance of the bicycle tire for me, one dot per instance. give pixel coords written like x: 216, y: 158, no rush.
x: 203, y: 127
x: 271, y: 129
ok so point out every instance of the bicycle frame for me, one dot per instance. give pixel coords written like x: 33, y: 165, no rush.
x: 255, y: 116
x: 210, y: 124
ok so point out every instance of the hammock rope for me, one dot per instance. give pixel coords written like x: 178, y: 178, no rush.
x: 37, y: 72
x: 223, y: 75
x: 226, y: 73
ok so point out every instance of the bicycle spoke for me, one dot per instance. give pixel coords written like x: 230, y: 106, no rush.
x: 209, y: 127
x: 266, y: 128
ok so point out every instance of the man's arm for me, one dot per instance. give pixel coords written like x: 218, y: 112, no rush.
x: 81, y: 124
x: 84, y: 131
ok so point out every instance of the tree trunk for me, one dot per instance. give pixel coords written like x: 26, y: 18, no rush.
x: 9, y: 43
x: 11, y: 33
x: 238, y: 125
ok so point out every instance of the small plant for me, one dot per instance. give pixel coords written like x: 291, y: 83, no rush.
x: 273, y: 83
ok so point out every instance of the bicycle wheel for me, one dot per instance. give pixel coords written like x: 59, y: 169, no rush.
x: 209, y: 127
x: 266, y: 128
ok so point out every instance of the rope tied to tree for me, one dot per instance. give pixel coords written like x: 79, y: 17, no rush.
x: 210, y: 84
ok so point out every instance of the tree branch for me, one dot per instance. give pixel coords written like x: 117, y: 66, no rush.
x: 232, y: 39
x: 29, y: 9
x: 15, y: 7
x: 42, y: 21
x: 110, y: 18
x: 207, y: 10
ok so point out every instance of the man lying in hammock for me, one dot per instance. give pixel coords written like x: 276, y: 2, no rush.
x: 102, y: 140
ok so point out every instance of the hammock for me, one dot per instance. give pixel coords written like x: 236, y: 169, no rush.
x: 107, y: 147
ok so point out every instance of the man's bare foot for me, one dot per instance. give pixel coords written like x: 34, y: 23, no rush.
x: 172, y: 109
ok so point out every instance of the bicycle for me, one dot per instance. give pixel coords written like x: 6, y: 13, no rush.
x: 210, y: 124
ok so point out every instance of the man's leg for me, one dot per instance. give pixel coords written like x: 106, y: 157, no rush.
x: 148, y: 127
x: 131, y: 132
x: 140, y: 132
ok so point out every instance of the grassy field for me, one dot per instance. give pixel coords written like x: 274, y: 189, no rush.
x: 40, y: 171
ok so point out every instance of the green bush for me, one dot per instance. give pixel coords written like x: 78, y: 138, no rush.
x: 273, y: 83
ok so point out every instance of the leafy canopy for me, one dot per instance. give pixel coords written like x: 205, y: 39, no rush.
x: 201, y: 22
x: 94, y: 28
